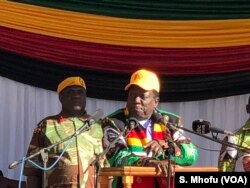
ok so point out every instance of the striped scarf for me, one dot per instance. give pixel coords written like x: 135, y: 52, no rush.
x: 137, y: 138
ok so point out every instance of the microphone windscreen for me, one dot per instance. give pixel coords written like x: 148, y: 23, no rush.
x: 132, y: 123
x: 201, y: 126
x: 118, y: 124
x: 157, y: 117
x: 13, y: 165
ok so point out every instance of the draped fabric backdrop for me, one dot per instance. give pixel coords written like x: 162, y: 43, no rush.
x: 200, y: 49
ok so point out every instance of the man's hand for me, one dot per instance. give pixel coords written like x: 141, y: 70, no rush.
x: 161, y: 166
x: 154, y: 147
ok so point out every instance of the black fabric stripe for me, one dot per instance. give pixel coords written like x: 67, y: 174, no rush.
x: 160, y: 9
x: 110, y: 85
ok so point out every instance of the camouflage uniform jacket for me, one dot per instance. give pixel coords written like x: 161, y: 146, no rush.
x: 73, y: 169
x: 230, y: 159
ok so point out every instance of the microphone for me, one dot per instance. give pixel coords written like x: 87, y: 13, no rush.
x: 118, y: 124
x: 170, y: 148
x: 132, y: 123
x: 160, y: 119
x: 14, y: 164
x: 204, y: 127
x: 95, y: 117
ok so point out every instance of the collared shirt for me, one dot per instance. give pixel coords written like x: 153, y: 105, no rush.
x: 147, y: 124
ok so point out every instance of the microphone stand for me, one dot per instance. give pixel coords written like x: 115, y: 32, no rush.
x: 132, y: 124
x: 44, y: 152
x: 235, y: 146
x: 100, y: 156
x: 170, y: 150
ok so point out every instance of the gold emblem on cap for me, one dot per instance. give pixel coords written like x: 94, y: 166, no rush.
x: 81, y: 81
x: 138, y: 76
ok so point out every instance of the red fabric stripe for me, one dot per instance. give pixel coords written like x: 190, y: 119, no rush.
x: 125, y: 59
x: 140, y: 134
x: 159, y: 135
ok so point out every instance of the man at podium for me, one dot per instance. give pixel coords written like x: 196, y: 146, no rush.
x: 148, y: 135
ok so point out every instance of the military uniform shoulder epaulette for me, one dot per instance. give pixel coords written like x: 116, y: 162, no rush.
x: 54, y: 117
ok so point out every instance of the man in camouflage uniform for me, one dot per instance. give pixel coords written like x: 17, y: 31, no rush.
x: 72, y: 170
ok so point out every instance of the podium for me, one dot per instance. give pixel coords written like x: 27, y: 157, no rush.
x: 128, y: 172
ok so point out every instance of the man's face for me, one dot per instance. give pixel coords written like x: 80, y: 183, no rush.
x: 141, y: 104
x: 73, y: 100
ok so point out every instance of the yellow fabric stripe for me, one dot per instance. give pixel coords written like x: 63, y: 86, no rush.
x: 137, y: 141
x: 120, y: 31
x: 158, y: 127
